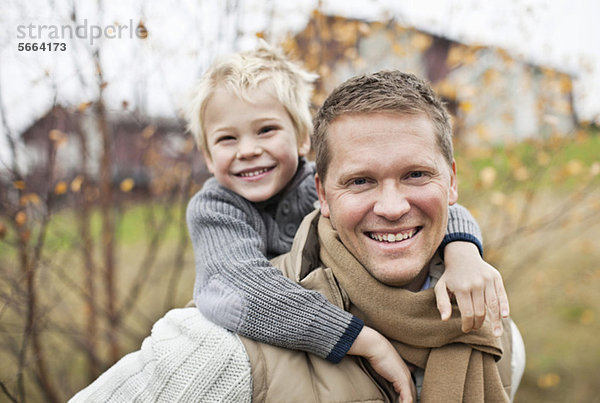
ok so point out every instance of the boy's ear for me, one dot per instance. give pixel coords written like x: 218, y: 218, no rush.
x: 208, y: 161
x: 321, y: 193
x: 304, y: 148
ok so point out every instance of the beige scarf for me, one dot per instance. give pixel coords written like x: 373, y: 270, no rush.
x: 458, y: 367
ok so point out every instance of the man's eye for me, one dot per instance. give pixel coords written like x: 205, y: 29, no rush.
x: 416, y: 174
x: 358, y: 181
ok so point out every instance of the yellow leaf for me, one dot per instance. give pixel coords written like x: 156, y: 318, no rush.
x: 421, y: 42
x: 487, y: 176
x: 521, y: 174
x: 566, y: 86
x: 460, y: 54
x: 345, y: 32
x: 498, y: 199
x: 574, y: 167
x: 57, y: 136
x: 548, y: 380
x: 83, y: 106
x: 351, y: 53
x: 19, y: 185
x: 76, y: 183
x: 490, y: 76
x: 127, y: 185
x: 60, y: 188
x: 398, y: 49
x: 20, y: 218
x: 482, y: 131
x: 466, y: 106
x: 543, y: 158
x: 364, y: 28
x: 587, y: 317
x: 141, y: 31
x: 29, y: 198
x: 447, y: 89
x: 324, y: 71
x: 148, y: 131
x: 454, y: 56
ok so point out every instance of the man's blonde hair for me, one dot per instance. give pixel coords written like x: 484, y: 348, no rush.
x: 241, y: 72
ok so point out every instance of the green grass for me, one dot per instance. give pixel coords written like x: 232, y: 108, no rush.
x: 550, y: 260
x: 563, y: 162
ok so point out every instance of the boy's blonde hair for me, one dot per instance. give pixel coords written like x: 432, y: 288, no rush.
x: 240, y: 72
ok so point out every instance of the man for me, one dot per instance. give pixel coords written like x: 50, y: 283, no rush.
x: 385, y: 179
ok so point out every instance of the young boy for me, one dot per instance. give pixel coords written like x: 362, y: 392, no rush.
x: 250, y: 117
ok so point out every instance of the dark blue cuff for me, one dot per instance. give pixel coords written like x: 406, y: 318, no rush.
x: 343, y: 345
x: 461, y: 236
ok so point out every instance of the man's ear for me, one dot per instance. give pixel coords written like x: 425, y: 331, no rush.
x: 453, y: 191
x: 304, y: 148
x: 321, y: 193
x: 208, y: 161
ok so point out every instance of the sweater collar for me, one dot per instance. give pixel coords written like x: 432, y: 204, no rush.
x: 304, y: 169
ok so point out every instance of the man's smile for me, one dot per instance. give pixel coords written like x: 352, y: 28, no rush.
x: 392, y: 237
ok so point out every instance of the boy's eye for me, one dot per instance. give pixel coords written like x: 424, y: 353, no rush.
x: 267, y: 129
x: 224, y: 138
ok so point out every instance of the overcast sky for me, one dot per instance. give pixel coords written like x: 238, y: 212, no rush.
x: 184, y: 36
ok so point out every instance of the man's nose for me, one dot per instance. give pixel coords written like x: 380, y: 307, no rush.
x: 248, y: 148
x: 391, y: 202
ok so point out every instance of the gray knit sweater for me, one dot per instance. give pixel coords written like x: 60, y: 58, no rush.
x: 236, y: 286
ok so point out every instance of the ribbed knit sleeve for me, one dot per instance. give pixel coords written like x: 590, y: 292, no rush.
x: 462, y: 227
x: 237, y: 287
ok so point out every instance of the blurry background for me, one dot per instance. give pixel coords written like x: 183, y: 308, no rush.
x: 96, y: 166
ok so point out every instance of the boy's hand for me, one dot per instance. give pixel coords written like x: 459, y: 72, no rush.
x: 475, y: 284
x: 386, y: 361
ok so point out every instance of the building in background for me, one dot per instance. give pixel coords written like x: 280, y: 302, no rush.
x: 494, y: 97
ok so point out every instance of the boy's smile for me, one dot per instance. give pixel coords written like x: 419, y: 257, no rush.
x: 252, y: 144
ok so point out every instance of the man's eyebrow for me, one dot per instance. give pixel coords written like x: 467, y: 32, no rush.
x: 349, y: 173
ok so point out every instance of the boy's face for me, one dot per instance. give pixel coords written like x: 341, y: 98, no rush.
x: 252, y: 146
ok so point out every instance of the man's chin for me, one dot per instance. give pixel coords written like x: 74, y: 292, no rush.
x: 397, y: 274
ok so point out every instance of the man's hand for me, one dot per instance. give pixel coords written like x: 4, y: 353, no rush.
x: 386, y: 361
x: 475, y: 284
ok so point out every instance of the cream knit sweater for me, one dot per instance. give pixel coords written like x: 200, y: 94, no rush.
x: 186, y: 359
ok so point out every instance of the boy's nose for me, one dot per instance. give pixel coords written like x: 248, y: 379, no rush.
x: 248, y: 149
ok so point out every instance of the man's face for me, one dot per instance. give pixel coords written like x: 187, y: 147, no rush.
x: 387, y: 193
